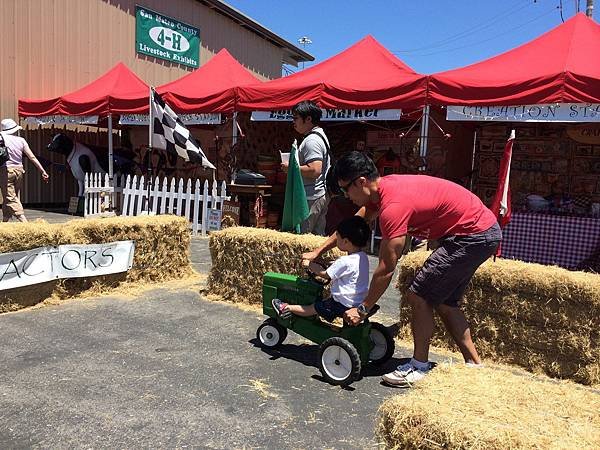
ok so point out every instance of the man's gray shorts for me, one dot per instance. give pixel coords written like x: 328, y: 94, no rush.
x: 447, y: 272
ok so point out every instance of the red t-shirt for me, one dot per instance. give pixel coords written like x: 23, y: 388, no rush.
x: 429, y: 208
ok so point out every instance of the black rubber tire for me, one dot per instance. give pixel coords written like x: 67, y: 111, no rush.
x: 339, y: 361
x: 385, y: 345
x: 270, y: 334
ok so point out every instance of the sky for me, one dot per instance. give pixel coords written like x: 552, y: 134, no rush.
x: 428, y: 35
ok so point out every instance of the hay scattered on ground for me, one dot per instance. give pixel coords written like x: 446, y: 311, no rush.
x: 241, y: 256
x: 456, y: 407
x: 543, y: 318
x: 161, y: 253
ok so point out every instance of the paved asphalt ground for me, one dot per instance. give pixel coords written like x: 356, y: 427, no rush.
x: 172, y: 370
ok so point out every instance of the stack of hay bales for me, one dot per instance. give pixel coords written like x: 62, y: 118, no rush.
x: 542, y: 318
x: 241, y: 256
x: 161, y: 252
x: 456, y: 407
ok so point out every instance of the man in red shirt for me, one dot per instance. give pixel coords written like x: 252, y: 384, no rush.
x: 428, y: 208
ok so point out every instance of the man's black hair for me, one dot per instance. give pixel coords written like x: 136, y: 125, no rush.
x: 355, y: 229
x: 306, y: 109
x: 353, y: 165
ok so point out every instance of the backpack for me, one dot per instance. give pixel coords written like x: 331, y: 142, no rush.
x: 4, y: 157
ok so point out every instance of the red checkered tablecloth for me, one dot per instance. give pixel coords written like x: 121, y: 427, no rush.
x: 569, y: 242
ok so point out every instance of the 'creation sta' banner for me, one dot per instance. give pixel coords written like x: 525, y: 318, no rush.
x: 556, y: 112
x: 43, y: 264
x: 166, y: 38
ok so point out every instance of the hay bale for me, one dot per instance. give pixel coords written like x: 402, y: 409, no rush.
x: 241, y: 256
x: 543, y: 318
x: 161, y: 253
x: 456, y: 407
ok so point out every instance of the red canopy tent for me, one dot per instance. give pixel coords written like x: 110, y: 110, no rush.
x: 118, y: 91
x: 365, y: 75
x: 211, y: 88
x: 560, y: 66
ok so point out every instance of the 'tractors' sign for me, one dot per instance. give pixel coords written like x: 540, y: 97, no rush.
x: 43, y: 264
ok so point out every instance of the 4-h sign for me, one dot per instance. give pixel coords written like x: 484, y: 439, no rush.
x: 166, y: 38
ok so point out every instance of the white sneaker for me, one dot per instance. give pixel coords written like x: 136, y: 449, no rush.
x: 404, y: 375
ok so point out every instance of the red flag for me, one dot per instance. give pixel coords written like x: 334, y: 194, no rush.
x: 501, y: 205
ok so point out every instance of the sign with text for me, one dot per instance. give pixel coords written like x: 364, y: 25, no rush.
x: 585, y: 134
x: 62, y: 120
x: 166, y: 38
x: 43, y: 264
x: 187, y: 119
x: 557, y: 112
x: 231, y: 209
x: 330, y: 115
x: 214, y: 220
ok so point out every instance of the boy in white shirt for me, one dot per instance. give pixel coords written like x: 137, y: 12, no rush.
x: 349, y: 275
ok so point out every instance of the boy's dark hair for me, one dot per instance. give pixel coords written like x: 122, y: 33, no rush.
x: 355, y: 229
x: 353, y: 165
x: 306, y: 109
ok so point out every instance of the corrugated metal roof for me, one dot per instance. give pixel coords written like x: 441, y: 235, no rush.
x: 294, y: 54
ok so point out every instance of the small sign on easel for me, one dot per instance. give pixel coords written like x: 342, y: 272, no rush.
x: 73, y: 204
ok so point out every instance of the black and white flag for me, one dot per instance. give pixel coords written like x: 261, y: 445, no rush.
x: 169, y: 133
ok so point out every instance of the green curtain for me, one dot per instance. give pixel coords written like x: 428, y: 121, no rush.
x: 295, y: 208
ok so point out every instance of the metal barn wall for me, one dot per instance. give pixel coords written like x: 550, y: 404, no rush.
x: 51, y: 47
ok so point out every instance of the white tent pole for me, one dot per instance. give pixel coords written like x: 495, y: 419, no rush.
x: 424, y: 134
x: 471, y: 177
x: 110, y: 148
x: 150, y: 132
x: 234, y: 132
x: 111, y: 197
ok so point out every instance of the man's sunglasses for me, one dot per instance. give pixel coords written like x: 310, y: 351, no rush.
x: 344, y: 189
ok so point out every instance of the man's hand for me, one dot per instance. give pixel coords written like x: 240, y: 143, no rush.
x: 45, y: 176
x: 351, y: 317
x: 310, y: 256
x: 284, y: 167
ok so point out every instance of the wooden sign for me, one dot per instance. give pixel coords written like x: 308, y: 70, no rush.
x: 585, y: 134
x: 73, y: 203
x: 231, y: 209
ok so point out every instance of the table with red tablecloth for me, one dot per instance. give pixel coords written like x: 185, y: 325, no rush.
x: 567, y: 241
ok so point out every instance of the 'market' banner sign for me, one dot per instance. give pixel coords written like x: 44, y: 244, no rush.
x: 557, y: 112
x: 339, y: 115
x: 166, y: 38
x: 64, y: 261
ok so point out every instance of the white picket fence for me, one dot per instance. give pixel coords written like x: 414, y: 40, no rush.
x: 97, y: 195
x: 193, y: 201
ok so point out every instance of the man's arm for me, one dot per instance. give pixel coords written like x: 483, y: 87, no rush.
x: 390, y: 252
x: 310, y: 171
x: 367, y: 214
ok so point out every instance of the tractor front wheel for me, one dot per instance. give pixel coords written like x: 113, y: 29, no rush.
x: 270, y: 334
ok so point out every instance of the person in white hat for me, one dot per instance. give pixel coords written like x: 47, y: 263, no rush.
x: 11, y: 172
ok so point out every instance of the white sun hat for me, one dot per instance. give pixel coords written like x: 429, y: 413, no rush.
x: 9, y: 126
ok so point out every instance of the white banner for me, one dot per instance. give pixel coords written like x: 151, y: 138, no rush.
x: 65, y: 261
x: 331, y: 115
x: 188, y: 119
x: 557, y: 112
x: 62, y: 120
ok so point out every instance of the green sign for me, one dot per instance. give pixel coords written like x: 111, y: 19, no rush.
x: 166, y: 38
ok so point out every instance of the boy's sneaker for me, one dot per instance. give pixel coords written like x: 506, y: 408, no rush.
x: 405, y: 375
x: 281, y: 308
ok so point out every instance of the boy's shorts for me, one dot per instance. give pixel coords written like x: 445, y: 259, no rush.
x: 445, y: 275
x: 329, y: 309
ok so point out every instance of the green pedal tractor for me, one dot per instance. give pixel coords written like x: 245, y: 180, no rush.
x: 343, y: 350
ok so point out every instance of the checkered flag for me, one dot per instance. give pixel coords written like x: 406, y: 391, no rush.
x: 169, y: 133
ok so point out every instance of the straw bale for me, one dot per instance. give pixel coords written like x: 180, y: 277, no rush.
x: 456, y: 407
x: 543, y: 318
x: 161, y: 253
x: 241, y: 256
